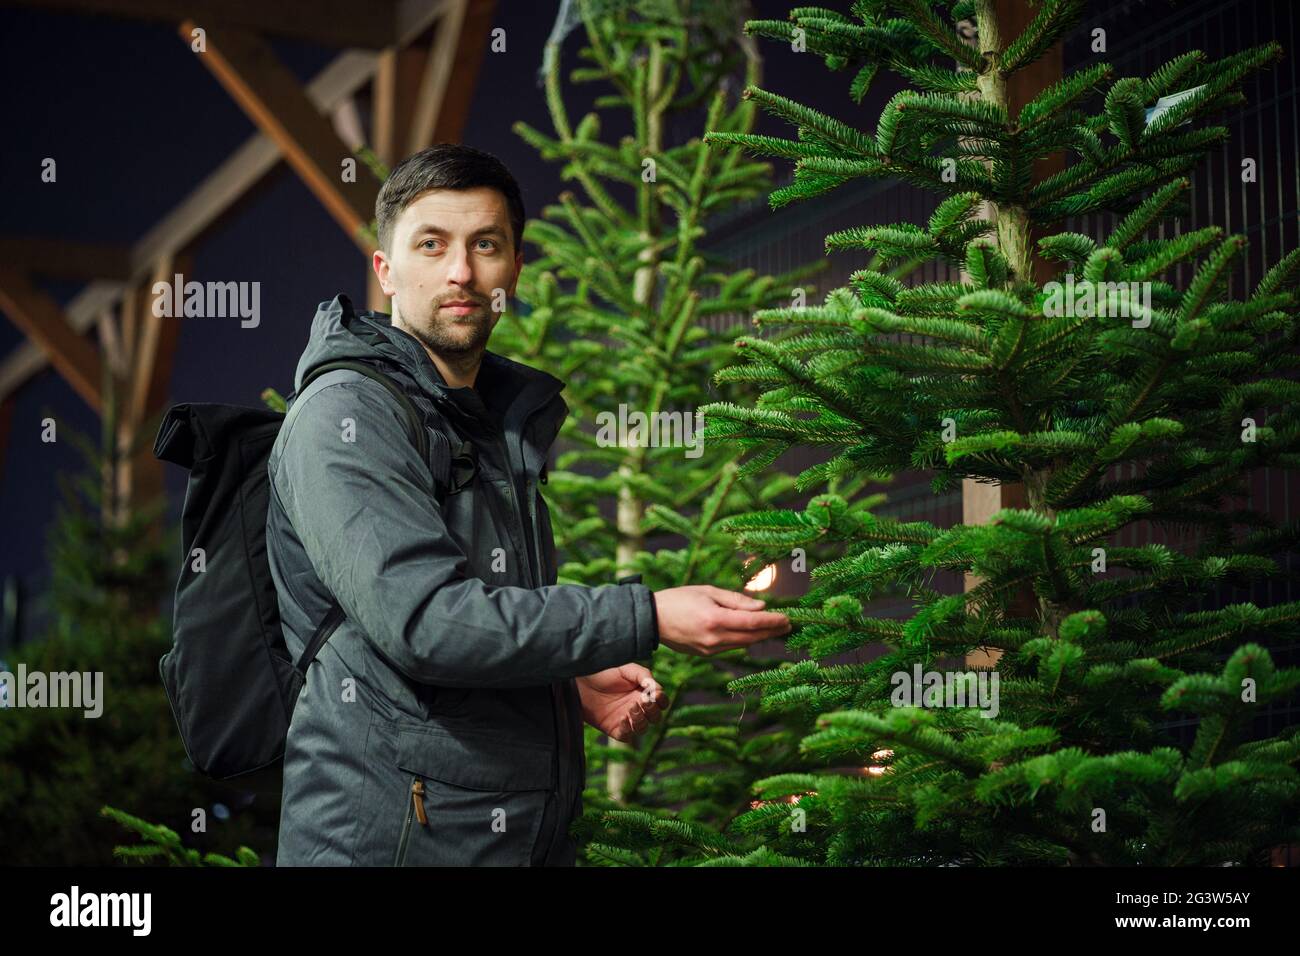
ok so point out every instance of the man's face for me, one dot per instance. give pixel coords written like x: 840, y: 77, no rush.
x: 451, y: 249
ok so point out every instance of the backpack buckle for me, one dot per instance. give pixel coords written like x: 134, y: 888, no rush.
x: 464, y: 465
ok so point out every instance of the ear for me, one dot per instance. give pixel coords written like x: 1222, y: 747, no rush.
x: 519, y: 265
x: 379, y: 262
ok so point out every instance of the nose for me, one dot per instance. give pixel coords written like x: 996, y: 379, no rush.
x: 458, y: 267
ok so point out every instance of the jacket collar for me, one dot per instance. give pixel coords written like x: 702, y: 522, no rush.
x: 517, y: 390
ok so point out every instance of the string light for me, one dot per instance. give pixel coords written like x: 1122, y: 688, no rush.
x: 763, y: 579
x: 876, y: 770
x: 789, y: 798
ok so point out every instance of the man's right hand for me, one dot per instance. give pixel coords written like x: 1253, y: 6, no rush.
x: 703, y: 620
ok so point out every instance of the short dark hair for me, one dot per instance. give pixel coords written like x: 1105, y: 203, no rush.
x: 445, y: 166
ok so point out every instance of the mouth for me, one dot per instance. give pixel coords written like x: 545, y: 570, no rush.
x: 459, y: 308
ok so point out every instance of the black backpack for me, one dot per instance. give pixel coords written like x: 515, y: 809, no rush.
x: 230, y: 678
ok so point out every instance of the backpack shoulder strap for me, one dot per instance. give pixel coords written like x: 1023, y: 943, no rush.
x: 324, y: 631
x: 412, y: 415
x: 334, y: 616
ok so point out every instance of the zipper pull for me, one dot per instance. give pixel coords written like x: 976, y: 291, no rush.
x: 417, y: 797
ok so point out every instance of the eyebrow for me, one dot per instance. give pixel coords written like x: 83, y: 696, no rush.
x: 428, y: 227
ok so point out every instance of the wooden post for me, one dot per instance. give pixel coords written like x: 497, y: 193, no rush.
x: 139, y: 349
x: 422, y: 93
x: 395, y: 92
x: 980, y: 501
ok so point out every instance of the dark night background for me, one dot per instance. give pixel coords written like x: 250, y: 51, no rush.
x: 135, y: 122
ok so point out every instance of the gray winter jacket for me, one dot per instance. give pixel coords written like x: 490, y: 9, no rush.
x: 441, y: 723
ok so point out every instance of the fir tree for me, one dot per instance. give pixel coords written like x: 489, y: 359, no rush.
x: 111, y: 568
x: 993, y: 377
x: 619, y: 307
x: 164, y: 844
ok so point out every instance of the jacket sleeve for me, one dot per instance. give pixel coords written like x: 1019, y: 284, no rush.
x: 365, y: 512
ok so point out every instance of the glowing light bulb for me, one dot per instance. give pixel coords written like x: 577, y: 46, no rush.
x: 763, y: 579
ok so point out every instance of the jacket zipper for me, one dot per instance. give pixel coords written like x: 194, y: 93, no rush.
x: 530, y: 489
x: 414, y: 808
x: 535, y: 556
x: 559, y: 710
x: 514, y: 507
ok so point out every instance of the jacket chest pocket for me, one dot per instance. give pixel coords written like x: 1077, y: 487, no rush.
x: 471, y: 800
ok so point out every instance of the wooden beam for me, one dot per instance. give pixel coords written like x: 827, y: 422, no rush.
x: 470, y: 48
x: 64, y: 259
x: 394, y: 96
x: 129, y: 325
x: 187, y: 221
x: 346, y: 120
x: 29, y: 358
x: 141, y: 390
x: 344, y: 76
x: 110, y: 343
x: 438, y: 67
x: 269, y: 93
x: 154, y: 347
x: 245, y: 167
x: 339, y: 23
x: 414, y: 104
x: 39, y: 317
x: 396, y: 92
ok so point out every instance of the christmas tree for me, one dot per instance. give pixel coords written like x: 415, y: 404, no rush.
x: 111, y: 568
x: 163, y: 844
x: 1117, y: 396
x: 627, y: 306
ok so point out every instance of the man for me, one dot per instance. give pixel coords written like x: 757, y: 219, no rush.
x: 442, y: 723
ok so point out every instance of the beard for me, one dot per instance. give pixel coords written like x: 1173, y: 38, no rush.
x: 461, y: 336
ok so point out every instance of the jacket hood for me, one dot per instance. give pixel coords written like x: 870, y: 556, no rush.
x: 339, y: 332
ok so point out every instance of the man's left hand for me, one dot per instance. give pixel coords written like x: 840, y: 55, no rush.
x: 622, y: 701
